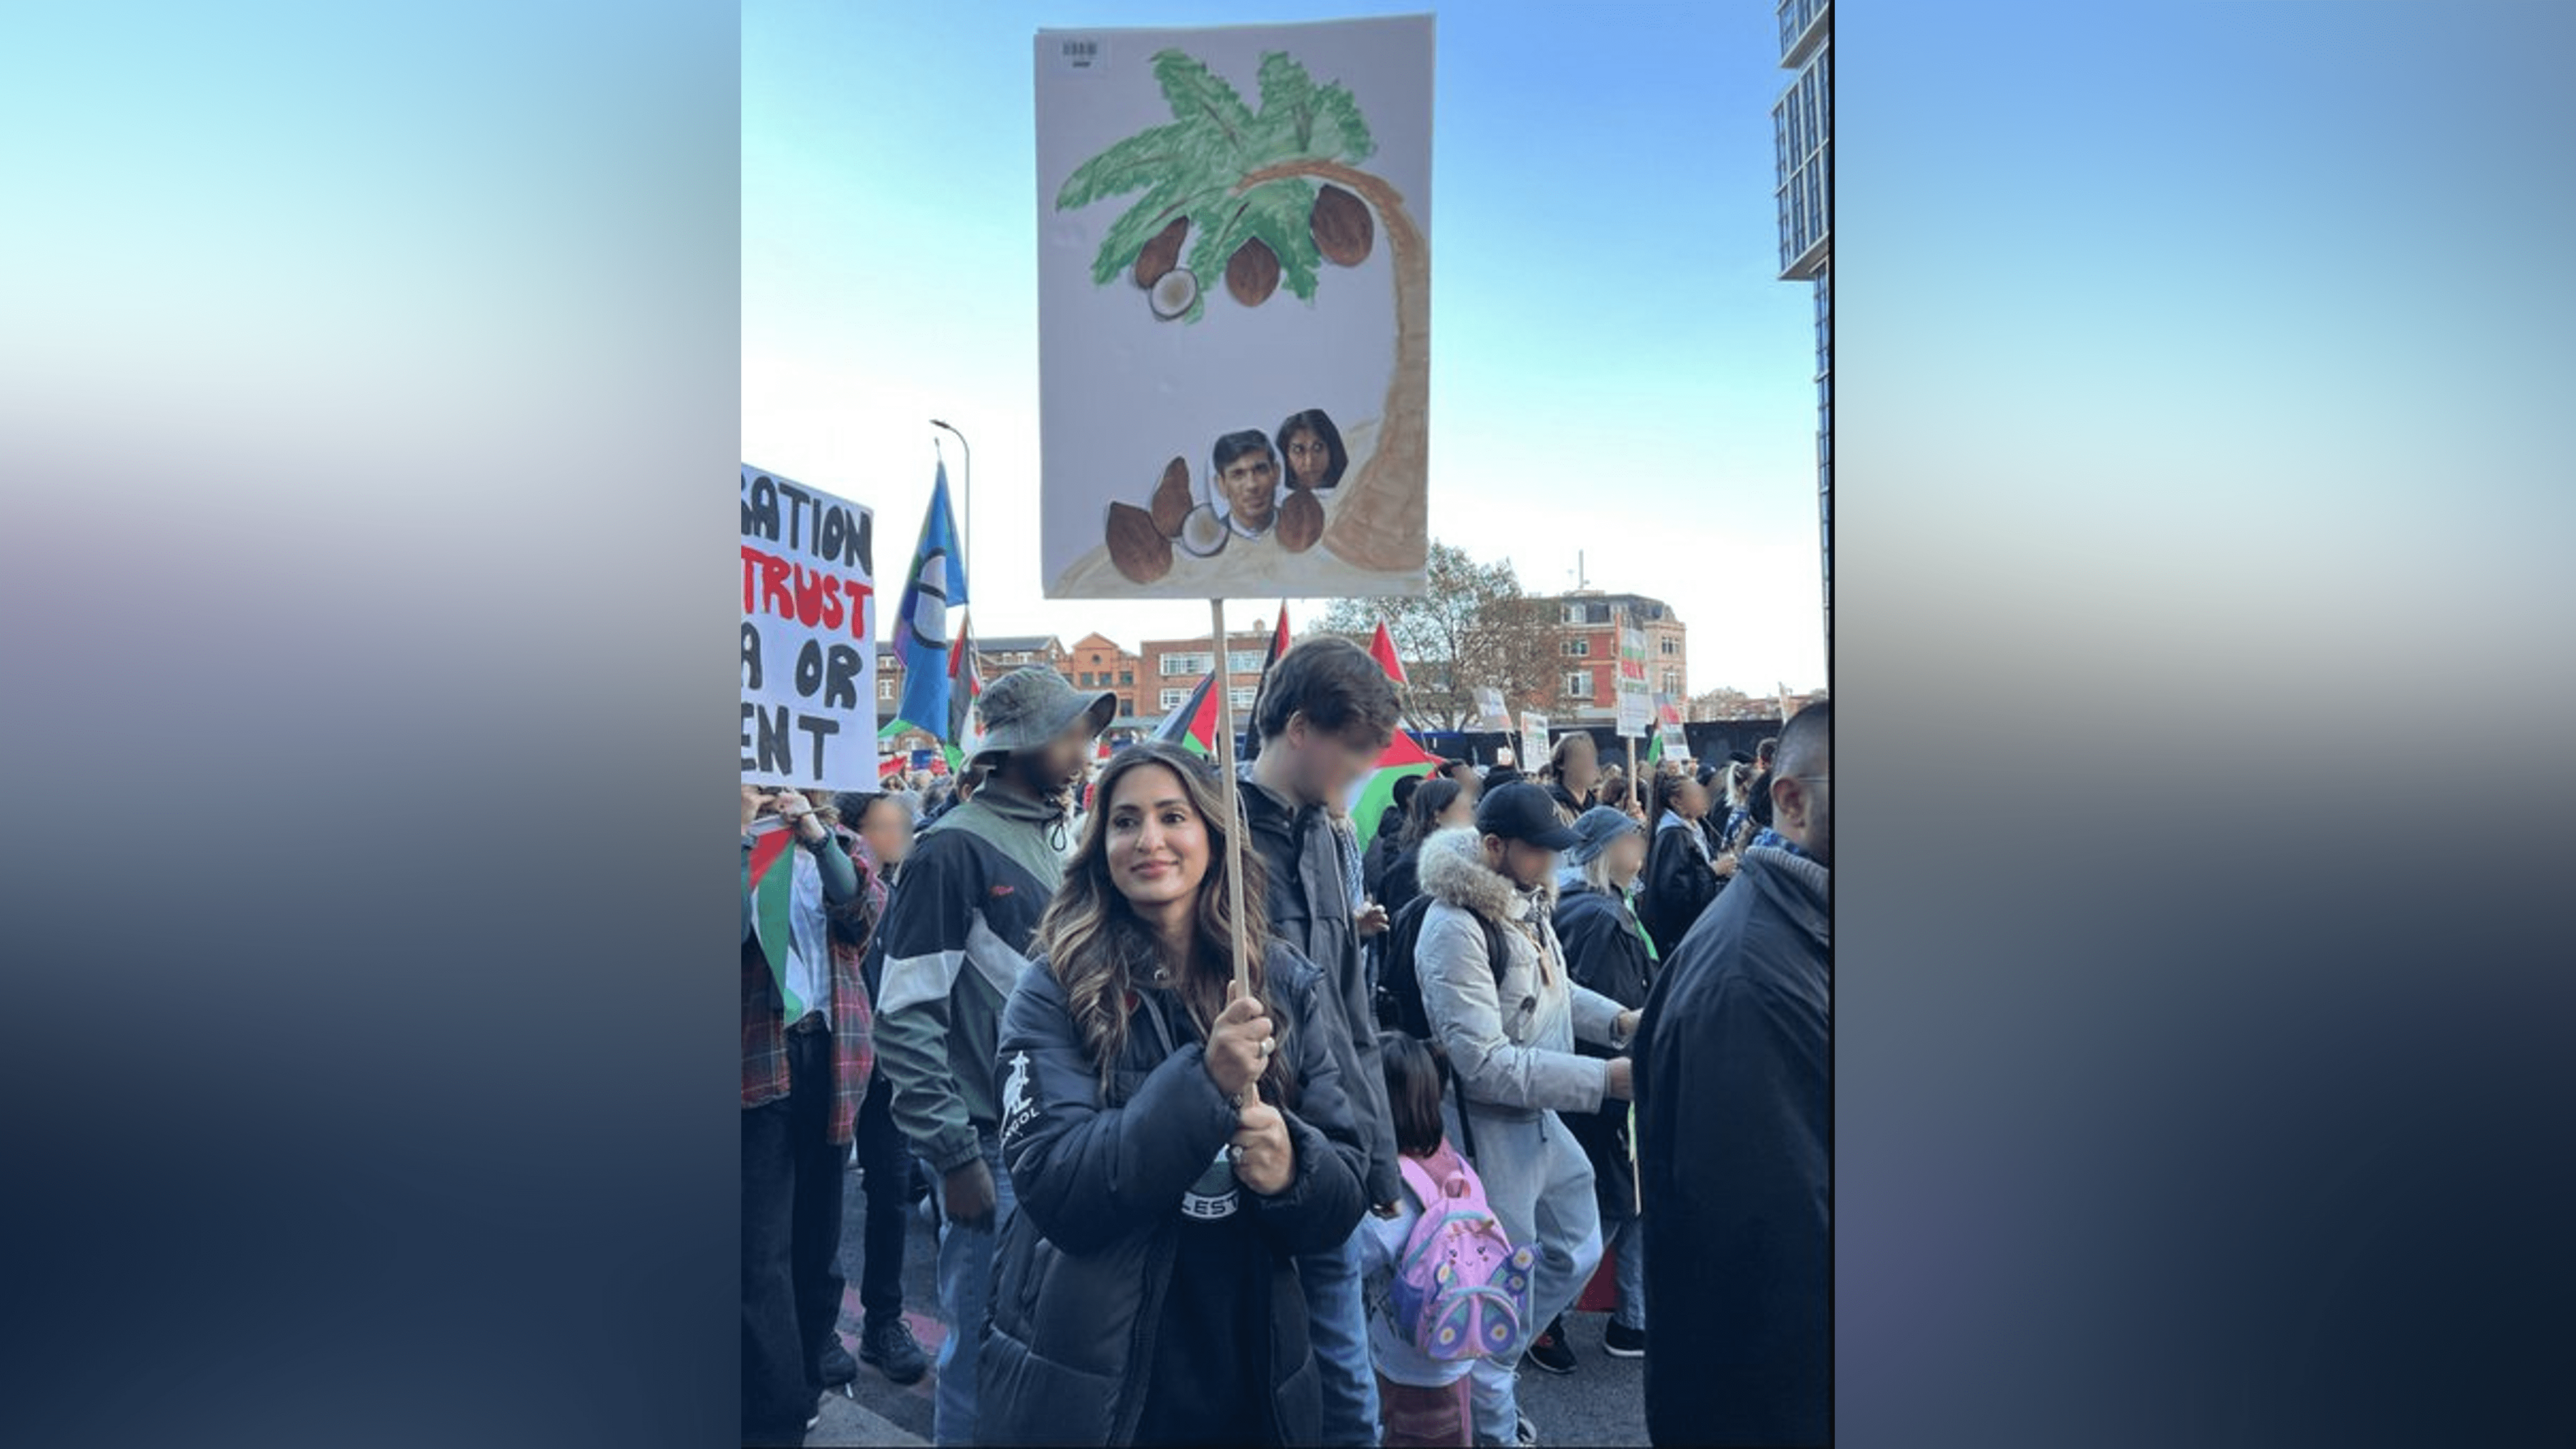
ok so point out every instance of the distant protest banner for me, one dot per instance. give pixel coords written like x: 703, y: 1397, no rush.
x: 809, y: 620
x: 1668, y: 728
x: 1490, y: 713
x: 1234, y: 324
x: 1534, y: 742
x: 1636, y: 701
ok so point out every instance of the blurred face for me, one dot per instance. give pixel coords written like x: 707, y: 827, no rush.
x: 888, y: 830
x: 1308, y: 458
x: 1626, y: 856
x: 1582, y: 769
x: 1158, y: 846
x: 1059, y: 766
x: 1251, y: 484
x: 1322, y: 767
x: 1526, y: 865
x: 1691, y: 800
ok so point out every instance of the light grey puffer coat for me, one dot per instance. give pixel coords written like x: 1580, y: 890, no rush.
x: 1511, y: 1046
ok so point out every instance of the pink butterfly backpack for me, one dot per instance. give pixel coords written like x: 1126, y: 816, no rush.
x: 1461, y: 1289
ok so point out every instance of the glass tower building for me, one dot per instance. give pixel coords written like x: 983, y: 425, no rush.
x: 1802, y: 138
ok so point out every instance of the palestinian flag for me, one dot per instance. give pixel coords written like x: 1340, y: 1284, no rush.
x: 1402, y: 756
x: 1382, y: 649
x: 773, y: 877
x: 1193, y: 725
x: 1376, y: 793
x: 965, y: 733
x: 1251, y: 722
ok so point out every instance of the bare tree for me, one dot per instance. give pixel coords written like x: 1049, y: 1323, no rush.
x: 1473, y: 628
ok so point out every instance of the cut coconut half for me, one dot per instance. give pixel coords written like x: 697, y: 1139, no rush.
x: 1173, y: 293
x: 1203, y: 533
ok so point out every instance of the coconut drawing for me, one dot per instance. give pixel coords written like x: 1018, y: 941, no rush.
x: 1203, y: 533
x: 1174, y: 293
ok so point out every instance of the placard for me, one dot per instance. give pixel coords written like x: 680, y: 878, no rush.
x: 809, y: 619
x: 1234, y: 337
x: 1636, y: 702
x: 1534, y: 742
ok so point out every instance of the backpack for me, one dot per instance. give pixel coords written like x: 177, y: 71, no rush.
x: 1461, y: 1290
x: 1399, y: 989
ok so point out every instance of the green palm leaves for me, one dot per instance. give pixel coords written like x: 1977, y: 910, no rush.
x: 1201, y: 168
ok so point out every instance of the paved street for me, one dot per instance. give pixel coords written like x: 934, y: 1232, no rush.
x: 1601, y: 1402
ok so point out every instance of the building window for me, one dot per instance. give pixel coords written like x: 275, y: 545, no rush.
x: 1243, y: 661
x: 1672, y: 682
x: 1579, y: 648
x: 1668, y: 645
x: 1241, y: 698
x: 885, y: 689
x: 1172, y: 698
x: 1126, y: 676
x: 1578, y: 685
x: 1184, y: 664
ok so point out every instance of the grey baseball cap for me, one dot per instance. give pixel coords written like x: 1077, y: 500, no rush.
x: 1594, y: 829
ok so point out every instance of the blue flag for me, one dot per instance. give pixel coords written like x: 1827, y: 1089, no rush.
x: 937, y: 580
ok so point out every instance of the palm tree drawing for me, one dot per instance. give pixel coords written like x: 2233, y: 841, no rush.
x: 1270, y: 195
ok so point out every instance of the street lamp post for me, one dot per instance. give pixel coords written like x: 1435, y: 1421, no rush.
x: 966, y: 517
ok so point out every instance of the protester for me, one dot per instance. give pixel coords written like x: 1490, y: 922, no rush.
x: 1173, y: 1146
x: 1712, y: 821
x: 1618, y: 792
x: 1509, y: 1035
x: 1682, y: 875
x: 955, y: 937
x: 1735, y: 1116
x: 1440, y: 804
x: 1758, y: 790
x: 1325, y: 714
x: 1424, y: 1399
x: 1607, y: 950
x: 1367, y: 919
x: 1390, y: 828
x: 801, y: 1084
x: 876, y: 829
x: 1739, y: 825
x: 1573, y: 773
x: 883, y: 819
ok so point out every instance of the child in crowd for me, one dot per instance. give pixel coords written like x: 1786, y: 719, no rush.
x: 1422, y: 1399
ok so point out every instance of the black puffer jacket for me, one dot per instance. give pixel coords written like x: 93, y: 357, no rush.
x: 1679, y: 883
x: 1083, y: 1262
x: 1604, y: 951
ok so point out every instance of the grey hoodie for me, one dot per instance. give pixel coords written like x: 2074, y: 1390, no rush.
x: 1513, y: 1047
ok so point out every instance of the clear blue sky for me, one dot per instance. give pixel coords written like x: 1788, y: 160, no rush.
x: 1615, y: 368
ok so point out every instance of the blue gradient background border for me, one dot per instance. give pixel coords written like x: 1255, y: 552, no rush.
x: 2202, y: 1056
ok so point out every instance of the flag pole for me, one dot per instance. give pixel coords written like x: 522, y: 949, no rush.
x: 1234, y: 826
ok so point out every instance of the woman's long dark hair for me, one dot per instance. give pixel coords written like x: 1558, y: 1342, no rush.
x: 1095, y: 945
x: 1422, y: 816
x: 1314, y: 421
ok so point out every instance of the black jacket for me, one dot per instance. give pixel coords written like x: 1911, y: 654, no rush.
x: 1086, y: 1255
x: 1679, y: 885
x: 1403, y: 880
x: 1309, y: 906
x: 1735, y: 1121
x: 1604, y: 951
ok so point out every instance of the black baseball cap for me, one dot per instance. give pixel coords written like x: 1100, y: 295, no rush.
x: 1525, y: 812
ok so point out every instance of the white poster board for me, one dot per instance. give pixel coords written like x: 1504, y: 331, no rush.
x: 1534, y: 742
x: 809, y: 622
x: 1668, y: 724
x: 1234, y: 338
x: 1636, y: 701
